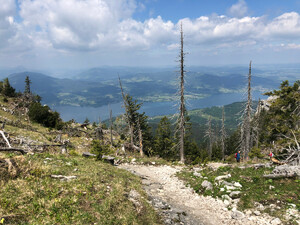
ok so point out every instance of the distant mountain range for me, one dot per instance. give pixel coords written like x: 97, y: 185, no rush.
x: 99, y: 86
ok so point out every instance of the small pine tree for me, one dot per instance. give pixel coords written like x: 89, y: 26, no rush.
x: 7, y: 89
x: 27, y: 85
x: 163, y: 141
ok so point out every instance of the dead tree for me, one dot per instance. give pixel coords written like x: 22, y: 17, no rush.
x: 209, y: 135
x: 140, y: 138
x: 126, y: 113
x: 223, y: 134
x: 256, y: 128
x: 111, y: 124
x: 246, y: 125
x: 292, y: 157
x: 182, y: 101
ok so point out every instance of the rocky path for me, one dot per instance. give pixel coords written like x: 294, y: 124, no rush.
x: 179, y: 204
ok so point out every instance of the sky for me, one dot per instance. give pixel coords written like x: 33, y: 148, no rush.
x: 75, y: 34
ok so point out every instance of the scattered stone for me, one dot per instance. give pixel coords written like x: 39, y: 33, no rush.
x: 76, y: 169
x: 248, y: 212
x: 271, y: 187
x: 153, y: 163
x: 88, y: 154
x: 276, y: 221
x: 196, y: 174
x: 226, y: 183
x: 134, y: 197
x: 207, y: 185
x: 222, y: 189
x: 257, y: 213
x: 222, y: 177
x: 235, y: 194
x: 68, y: 163
x: 226, y: 197
x: 230, y: 188
x: 226, y: 202
x: 133, y: 160
x: 64, y: 178
x: 237, y: 184
x: 237, y: 215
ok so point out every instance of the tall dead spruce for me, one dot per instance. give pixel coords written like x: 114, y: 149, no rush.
x: 126, y: 113
x: 209, y: 135
x: 182, y: 101
x: 246, y: 124
x: 223, y: 134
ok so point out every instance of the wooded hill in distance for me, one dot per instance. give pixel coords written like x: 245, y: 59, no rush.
x: 157, y: 86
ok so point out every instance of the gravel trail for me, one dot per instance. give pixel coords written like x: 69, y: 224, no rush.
x: 179, y: 204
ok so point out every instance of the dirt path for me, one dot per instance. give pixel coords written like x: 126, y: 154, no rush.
x: 179, y: 204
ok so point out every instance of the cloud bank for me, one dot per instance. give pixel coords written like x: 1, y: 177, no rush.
x: 72, y: 27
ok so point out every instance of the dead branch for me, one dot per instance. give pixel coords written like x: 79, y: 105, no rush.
x: 278, y: 176
x: 13, y: 149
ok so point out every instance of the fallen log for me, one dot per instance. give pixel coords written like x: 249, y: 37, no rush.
x: 4, y: 149
x: 278, y: 176
x: 88, y: 154
x: 109, y: 159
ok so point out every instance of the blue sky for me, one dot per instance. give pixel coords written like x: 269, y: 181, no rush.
x: 169, y: 9
x: 59, y: 34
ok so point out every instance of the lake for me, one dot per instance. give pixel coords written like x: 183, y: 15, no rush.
x: 151, y: 108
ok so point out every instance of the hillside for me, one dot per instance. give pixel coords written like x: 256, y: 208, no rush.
x: 152, y: 86
x: 33, y: 192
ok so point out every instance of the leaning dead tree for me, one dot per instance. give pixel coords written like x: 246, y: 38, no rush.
x: 209, y: 135
x: 181, y: 119
x: 246, y: 124
x: 223, y: 134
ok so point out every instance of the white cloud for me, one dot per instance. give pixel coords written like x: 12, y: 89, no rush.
x: 7, y: 25
x: 108, y: 27
x: 239, y: 9
x: 285, y: 26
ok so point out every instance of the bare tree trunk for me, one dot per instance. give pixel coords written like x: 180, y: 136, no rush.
x: 126, y: 113
x: 111, y: 124
x: 140, y: 139
x: 210, y: 137
x: 223, y: 134
x: 182, y: 103
x: 246, y: 126
x: 257, y: 124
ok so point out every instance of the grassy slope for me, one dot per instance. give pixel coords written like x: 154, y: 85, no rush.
x: 99, y: 195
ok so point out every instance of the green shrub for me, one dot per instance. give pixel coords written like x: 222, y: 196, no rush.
x: 99, y: 148
x: 43, y: 115
x: 256, y: 152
